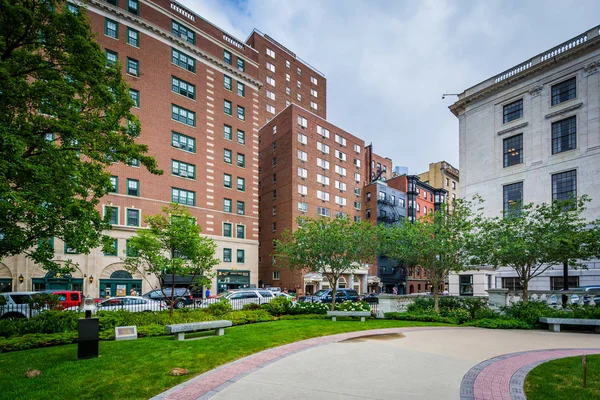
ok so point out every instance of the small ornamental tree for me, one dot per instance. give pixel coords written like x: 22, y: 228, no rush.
x: 64, y: 118
x: 330, y: 247
x: 439, y: 242
x: 536, y: 237
x: 171, y: 244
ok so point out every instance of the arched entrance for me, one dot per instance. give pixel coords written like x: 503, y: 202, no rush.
x: 341, y: 282
x: 57, y: 281
x: 6, y: 280
x: 412, y: 289
x: 119, y: 283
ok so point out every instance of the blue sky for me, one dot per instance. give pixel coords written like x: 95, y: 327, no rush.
x: 387, y: 63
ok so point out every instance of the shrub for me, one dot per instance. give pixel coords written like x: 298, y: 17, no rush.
x: 303, y: 316
x: 461, y: 315
x: 251, y: 306
x: 309, y: 308
x: 248, y: 317
x: 350, y: 306
x: 425, y: 305
x: 486, y: 313
x: 151, y: 330
x: 500, y: 323
x: 531, y: 312
x: 419, y: 317
x: 31, y: 341
x: 278, y: 306
x: 220, y: 308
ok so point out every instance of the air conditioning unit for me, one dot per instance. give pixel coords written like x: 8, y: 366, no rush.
x: 176, y: 143
x: 183, y: 173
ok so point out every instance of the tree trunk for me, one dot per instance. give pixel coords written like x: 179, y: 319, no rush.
x: 436, y: 300
x: 525, y: 297
x: 565, y: 281
x: 333, y: 292
x: 172, y: 291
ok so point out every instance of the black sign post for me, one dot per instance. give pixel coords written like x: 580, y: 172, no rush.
x: 89, y: 330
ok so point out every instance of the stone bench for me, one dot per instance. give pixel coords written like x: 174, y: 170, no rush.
x: 181, y: 329
x: 361, y: 314
x: 555, y: 323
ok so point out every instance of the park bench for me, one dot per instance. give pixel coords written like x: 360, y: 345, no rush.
x: 555, y: 323
x: 361, y: 314
x: 181, y: 329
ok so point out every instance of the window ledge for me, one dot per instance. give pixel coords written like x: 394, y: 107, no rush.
x: 513, y: 128
x: 564, y: 110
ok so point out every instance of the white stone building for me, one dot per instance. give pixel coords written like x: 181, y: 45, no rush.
x: 532, y: 134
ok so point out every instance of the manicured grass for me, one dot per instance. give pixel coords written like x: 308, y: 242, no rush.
x: 140, y: 369
x: 563, y: 379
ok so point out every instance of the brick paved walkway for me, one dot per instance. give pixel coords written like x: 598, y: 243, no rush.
x: 502, y: 377
x: 212, y: 382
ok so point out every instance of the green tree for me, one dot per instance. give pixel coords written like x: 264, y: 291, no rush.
x: 172, y: 244
x: 64, y: 117
x: 536, y: 237
x: 330, y: 247
x: 439, y: 242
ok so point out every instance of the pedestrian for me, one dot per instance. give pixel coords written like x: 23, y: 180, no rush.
x: 207, y: 294
x: 395, y: 290
x: 132, y: 292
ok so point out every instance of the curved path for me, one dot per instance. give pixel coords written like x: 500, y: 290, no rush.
x: 415, y: 363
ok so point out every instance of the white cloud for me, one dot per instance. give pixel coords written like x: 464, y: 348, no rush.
x: 388, y: 63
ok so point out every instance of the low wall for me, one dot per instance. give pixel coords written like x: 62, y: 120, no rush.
x: 399, y: 303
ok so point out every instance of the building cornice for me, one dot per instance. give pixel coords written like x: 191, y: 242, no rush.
x: 564, y: 110
x: 97, y: 5
x: 568, y: 50
x: 513, y: 128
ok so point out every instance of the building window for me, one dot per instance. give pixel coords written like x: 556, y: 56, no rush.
x: 357, y: 205
x: 135, y: 96
x: 183, y: 115
x: 512, y: 283
x: 227, y: 205
x: 133, y: 37
x: 183, y: 169
x: 240, y: 256
x: 241, y: 160
x: 241, y: 184
x: 270, y: 109
x: 302, y: 138
x: 183, y: 60
x: 227, y: 57
x: 513, y: 198
x: 227, y: 180
x: 186, y: 34
x: 241, y: 113
x: 303, y: 190
x: 270, y: 81
x: 564, y: 185
x: 556, y: 282
x: 513, y: 150
x: 513, y: 111
x: 240, y: 231
x: 241, y: 89
x: 133, y: 217
x: 241, y: 65
x: 227, y: 132
x: 182, y: 196
x: 323, y: 211
x: 183, y: 142
x: 564, y: 135
x: 302, y: 155
x: 302, y: 172
x: 133, y: 7
x: 342, y: 141
x: 133, y: 67
x: 275, y: 275
x: 114, y: 185
x: 129, y: 251
x: 465, y: 285
x: 227, y: 229
x: 111, y: 58
x: 73, y: 8
x: 368, y: 213
x: 303, y: 122
x: 270, y: 95
x: 183, y: 88
x: 270, y: 53
x: 227, y: 156
x: 226, y: 255
x: 113, y: 250
x: 111, y: 28
x: 112, y: 213
x: 227, y: 107
x: 323, y: 148
x: 564, y: 91
x: 241, y: 207
x: 133, y: 187
x: 302, y: 206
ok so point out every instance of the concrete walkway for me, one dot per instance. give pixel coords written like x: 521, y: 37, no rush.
x: 415, y: 363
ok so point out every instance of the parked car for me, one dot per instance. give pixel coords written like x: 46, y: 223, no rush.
x: 325, y: 296
x: 371, y: 298
x: 182, y: 298
x: 128, y: 303
x: 586, y: 298
x: 240, y: 297
x: 17, y: 305
x: 66, y: 298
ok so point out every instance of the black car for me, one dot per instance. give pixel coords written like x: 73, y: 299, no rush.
x: 324, y: 296
x: 182, y: 297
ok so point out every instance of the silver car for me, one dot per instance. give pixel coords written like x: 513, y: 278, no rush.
x: 240, y: 297
x: 17, y: 305
x: 128, y: 303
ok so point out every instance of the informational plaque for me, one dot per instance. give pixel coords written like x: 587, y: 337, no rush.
x: 125, y: 333
x: 121, y: 290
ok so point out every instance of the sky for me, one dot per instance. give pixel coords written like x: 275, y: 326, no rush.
x: 387, y: 63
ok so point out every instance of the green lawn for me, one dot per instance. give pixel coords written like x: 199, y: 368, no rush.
x: 563, y: 379
x: 140, y: 369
